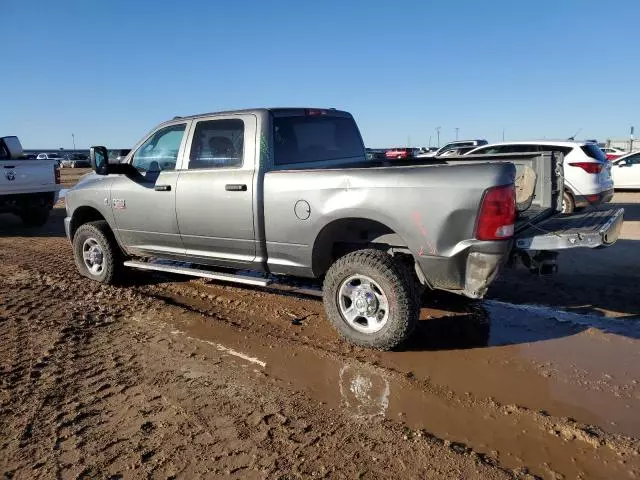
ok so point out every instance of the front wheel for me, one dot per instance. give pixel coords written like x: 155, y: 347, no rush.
x: 369, y: 299
x: 96, y: 252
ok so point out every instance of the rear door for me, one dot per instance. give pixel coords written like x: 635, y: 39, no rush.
x: 214, y: 196
x: 144, y: 206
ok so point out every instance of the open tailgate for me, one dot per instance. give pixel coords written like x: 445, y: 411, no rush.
x: 595, y: 228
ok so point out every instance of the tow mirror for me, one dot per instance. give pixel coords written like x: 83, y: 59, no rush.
x: 99, y: 160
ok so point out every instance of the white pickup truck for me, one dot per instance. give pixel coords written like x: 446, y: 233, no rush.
x: 28, y: 188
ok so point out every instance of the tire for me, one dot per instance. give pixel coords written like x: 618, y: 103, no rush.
x: 385, y: 275
x: 34, y: 217
x: 107, y: 254
x: 568, y: 205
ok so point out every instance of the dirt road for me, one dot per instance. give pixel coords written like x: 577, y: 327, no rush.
x: 167, y: 377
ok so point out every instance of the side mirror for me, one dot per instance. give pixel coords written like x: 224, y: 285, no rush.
x: 99, y: 160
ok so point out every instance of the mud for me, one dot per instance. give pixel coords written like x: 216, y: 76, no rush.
x: 166, y: 376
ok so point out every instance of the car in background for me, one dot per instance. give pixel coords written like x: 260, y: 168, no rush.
x: 625, y: 171
x: 587, y: 172
x: 50, y: 156
x: 401, y: 153
x: 77, y: 160
x: 118, y: 155
x: 612, y: 153
x: 456, y: 145
x: 455, y: 151
x: 375, y: 154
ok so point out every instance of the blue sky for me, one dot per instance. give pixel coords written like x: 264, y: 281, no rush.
x: 108, y: 71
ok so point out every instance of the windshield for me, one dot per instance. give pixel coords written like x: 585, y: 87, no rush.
x: 53, y: 155
x: 594, y: 152
x: 315, y: 138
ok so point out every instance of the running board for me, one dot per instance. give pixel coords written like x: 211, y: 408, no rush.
x: 198, y: 272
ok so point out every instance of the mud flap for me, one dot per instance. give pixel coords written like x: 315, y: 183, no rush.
x: 592, y: 229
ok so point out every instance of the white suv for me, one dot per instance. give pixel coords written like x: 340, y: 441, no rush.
x: 587, y: 173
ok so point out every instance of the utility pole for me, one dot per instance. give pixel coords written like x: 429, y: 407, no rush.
x: 429, y: 142
x: 73, y: 137
x: 503, y: 134
x: 631, y: 139
x: 457, y: 133
x: 409, y: 141
x: 438, y: 133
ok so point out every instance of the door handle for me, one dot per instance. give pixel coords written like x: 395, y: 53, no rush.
x: 162, y: 188
x: 235, y: 187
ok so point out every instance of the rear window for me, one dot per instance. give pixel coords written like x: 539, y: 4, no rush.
x: 593, y: 151
x: 306, y: 139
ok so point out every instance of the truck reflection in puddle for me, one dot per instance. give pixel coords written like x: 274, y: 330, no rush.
x: 364, y: 392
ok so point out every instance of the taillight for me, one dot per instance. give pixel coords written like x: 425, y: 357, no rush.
x: 56, y: 174
x: 588, y: 167
x: 497, y: 214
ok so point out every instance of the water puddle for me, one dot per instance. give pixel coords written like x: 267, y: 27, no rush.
x: 425, y: 388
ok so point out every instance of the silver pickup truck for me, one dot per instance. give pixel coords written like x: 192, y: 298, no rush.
x: 247, y: 196
x: 28, y: 188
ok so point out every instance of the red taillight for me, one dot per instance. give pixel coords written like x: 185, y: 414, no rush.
x: 497, y: 214
x: 56, y: 174
x: 588, y: 166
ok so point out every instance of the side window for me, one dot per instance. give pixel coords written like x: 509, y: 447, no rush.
x: 217, y: 144
x: 634, y: 159
x: 160, y: 151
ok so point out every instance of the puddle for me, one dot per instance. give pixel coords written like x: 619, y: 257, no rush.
x: 424, y: 388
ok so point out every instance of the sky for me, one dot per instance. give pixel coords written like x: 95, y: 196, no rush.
x: 109, y: 71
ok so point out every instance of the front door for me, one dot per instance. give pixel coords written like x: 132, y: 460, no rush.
x: 215, y: 193
x: 144, y: 206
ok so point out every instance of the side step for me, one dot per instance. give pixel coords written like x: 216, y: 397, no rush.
x: 198, y: 272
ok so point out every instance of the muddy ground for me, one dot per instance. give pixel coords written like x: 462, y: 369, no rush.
x: 167, y: 377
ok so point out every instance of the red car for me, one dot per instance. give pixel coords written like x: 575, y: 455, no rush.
x: 613, y: 153
x: 401, y: 153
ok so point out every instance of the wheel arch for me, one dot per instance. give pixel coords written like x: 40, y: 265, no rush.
x: 82, y: 215
x: 344, y: 235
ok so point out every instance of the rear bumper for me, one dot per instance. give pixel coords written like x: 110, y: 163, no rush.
x: 595, y: 199
x: 470, y: 271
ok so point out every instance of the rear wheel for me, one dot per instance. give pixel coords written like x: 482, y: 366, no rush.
x: 370, y: 300
x: 96, y: 252
x: 34, y: 217
x: 568, y: 205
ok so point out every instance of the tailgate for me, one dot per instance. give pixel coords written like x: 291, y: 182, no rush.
x: 596, y: 228
x: 22, y: 176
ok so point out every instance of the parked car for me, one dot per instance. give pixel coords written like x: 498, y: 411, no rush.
x: 50, y: 156
x: 375, y: 154
x: 587, y: 173
x: 456, y: 145
x: 77, y: 160
x: 612, y: 153
x: 626, y: 171
x: 28, y: 188
x: 401, y: 153
x: 290, y: 192
x: 455, y: 151
x: 117, y: 156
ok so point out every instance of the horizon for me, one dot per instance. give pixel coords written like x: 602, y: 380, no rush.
x: 530, y: 71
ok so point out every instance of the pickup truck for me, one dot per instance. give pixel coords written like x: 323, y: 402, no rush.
x: 28, y: 188
x: 248, y: 196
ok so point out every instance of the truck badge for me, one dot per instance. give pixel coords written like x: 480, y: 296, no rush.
x: 11, y: 175
x: 119, y: 203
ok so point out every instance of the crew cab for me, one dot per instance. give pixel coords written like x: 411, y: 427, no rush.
x: 28, y: 188
x: 251, y: 196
